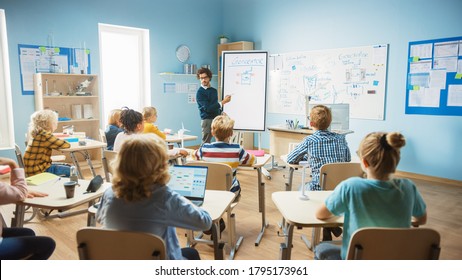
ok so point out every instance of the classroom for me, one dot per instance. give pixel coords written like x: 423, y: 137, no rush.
x: 432, y: 152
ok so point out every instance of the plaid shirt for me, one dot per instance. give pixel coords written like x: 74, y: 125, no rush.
x: 37, y: 157
x: 320, y: 148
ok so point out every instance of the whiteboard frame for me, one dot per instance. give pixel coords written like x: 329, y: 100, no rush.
x: 224, y: 89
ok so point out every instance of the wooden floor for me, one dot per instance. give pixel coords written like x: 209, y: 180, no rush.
x: 443, y: 203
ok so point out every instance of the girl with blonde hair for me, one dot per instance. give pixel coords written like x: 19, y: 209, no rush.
x: 376, y: 201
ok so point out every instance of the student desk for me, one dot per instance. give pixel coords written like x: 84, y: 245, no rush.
x: 281, y: 137
x: 56, y: 198
x: 261, y: 161
x: 301, y: 213
x: 216, y: 203
x: 83, y: 150
x: 175, y: 138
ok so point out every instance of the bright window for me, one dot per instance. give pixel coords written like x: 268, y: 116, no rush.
x: 125, y: 69
x: 6, y: 108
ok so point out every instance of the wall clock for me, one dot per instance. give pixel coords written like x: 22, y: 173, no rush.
x: 183, y: 53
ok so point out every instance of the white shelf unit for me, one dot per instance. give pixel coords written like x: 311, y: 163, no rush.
x: 48, y: 84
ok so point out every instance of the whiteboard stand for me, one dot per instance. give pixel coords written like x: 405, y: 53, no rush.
x: 307, y: 111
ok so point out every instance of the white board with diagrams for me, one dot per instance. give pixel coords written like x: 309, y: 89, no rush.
x: 356, y: 76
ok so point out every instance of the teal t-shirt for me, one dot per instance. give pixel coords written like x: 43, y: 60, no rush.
x: 374, y: 203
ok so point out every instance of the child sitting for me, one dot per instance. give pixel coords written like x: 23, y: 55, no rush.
x: 140, y: 199
x: 113, y: 128
x: 223, y: 151
x: 379, y: 200
x: 132, y: 123
x: 150, y: 117
x: 320, y: 148
x: 37, y: 157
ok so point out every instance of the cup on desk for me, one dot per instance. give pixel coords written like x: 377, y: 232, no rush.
x: 69, y: 187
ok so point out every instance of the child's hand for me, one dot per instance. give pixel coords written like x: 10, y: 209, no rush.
x: 184, y: 153
x: 7, y: 161
x: 33, y: 194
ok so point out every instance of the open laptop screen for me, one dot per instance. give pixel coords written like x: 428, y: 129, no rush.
x: 189, y: 181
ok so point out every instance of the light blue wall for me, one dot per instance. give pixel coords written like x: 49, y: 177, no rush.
x: 276, y: 26
x: 170, y: 23
x: 433, y: 142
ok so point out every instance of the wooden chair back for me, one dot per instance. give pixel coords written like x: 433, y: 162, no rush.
x: 331, y: 174
x: 375, y: 243
x: 107, y: 244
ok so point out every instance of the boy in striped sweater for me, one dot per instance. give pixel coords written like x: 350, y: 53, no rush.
x: 224, y: 152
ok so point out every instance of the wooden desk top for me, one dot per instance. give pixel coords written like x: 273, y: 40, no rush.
x: 91, y: 144
x: 283, y: 128
x: 261, y: 160
x: 174, y: 138
x: 216, y: 202
x: 56, y: 198
x: 302, y: 212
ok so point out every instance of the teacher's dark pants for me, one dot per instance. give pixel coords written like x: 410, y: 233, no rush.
x: 206, y: 130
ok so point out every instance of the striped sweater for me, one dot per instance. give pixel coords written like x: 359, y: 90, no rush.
x: 229, y: 153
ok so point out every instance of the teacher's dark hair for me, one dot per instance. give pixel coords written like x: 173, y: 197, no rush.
x: 204, y: 71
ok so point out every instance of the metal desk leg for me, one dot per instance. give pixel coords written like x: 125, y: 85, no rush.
x: 282, y: 225
x: 217, y: 245
x: 261, y: 206
x: 90, y: 164
x: 76, y: 164
x: 18, y: 220
x: 288, y: 246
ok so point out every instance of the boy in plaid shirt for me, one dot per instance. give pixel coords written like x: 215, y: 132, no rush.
x: 37, y: 158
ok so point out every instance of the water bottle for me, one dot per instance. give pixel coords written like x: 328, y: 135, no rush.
x: 74, y: 176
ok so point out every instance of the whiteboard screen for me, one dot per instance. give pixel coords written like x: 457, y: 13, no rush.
x: 356, y: 76
x: 244, y: 78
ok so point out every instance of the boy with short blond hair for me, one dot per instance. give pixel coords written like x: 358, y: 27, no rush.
x: 37, y: 158
x: 223, y: 151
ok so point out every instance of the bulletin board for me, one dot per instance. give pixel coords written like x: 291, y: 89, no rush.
x: 355, y: 76
x: 434, y: 77
x: 41, y: 59
x: 244, y: 78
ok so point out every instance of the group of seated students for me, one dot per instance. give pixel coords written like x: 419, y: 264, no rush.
x: 140, y: 199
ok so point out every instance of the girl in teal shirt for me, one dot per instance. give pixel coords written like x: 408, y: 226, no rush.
x: 377, y: 201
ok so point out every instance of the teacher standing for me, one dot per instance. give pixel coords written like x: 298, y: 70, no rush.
x: 207, y: 102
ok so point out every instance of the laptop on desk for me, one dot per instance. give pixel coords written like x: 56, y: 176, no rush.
x: 189, y: 181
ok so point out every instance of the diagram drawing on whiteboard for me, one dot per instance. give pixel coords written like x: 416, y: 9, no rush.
x: 356, y: 76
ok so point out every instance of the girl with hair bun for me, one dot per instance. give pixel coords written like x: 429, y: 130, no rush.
x: 376, y: 201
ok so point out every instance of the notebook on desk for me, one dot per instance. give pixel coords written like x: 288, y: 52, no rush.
x: 189, y: 181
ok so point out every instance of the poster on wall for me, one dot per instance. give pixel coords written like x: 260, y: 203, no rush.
x: 41, y: 59
x: 355, y: 76
x: 434, y: 77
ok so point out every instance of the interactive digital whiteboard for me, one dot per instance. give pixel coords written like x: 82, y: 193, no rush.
x: 244, y: 75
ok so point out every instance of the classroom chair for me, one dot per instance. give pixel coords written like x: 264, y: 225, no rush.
x: 330, y: 175
x: 20, y: 161
x: 107, y: 159
x: 102, y: 136
x: 220, y: 177
x: 375, y: 243
x: 108, y: 244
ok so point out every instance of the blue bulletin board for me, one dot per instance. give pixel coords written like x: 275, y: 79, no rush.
x: 434, y: 77
x: 41, y: 59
